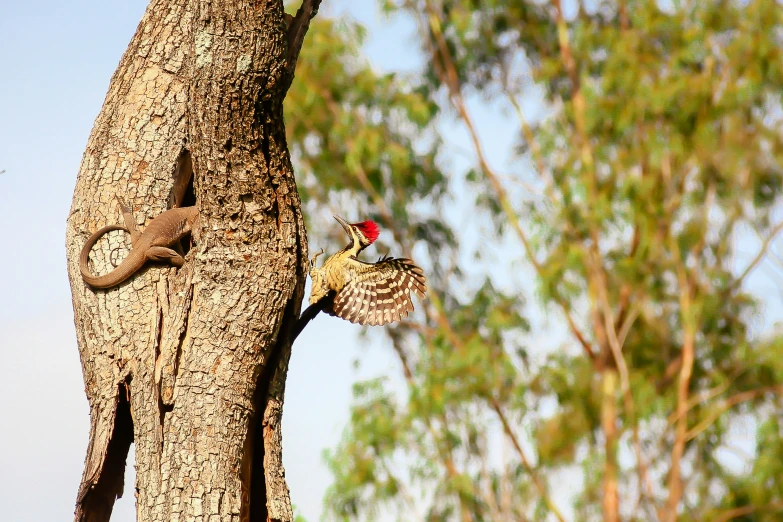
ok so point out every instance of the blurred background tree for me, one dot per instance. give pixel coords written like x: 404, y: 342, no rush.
x: 589, y: 349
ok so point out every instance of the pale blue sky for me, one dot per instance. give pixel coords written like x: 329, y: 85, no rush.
x: 56, y: 60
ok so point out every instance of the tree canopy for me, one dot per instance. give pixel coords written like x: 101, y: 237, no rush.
x: 589, y: 349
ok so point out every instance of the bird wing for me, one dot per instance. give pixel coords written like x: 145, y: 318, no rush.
x: 379, y: 293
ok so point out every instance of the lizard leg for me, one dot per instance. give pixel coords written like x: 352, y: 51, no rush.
x: 130, y: 224
x: 159, y: 253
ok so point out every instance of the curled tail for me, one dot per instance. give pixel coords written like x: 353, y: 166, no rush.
x: 84, y: 257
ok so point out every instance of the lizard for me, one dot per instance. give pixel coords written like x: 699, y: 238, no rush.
x: 153, y: 244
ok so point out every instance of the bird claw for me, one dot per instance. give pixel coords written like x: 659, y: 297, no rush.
x: 312, y: 261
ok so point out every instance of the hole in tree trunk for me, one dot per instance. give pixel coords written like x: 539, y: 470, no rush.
x: 125, y: 507
x: 254, y: 452
x: 190, y: 195
x: 254, y: 500
x: 99, y: 500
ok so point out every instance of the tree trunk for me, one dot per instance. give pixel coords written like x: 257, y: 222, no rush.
x: 190, y: 363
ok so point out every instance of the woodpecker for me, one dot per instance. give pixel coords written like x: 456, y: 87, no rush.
x: 359, y: 292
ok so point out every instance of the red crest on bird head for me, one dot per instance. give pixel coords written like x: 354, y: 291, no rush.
x: 369, y: 229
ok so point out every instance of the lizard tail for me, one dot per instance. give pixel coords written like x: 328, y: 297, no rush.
x: 84, y: 256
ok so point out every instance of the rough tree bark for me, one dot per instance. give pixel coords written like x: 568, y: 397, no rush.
x: 190, y: 364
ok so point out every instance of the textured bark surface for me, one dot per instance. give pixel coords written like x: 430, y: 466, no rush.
x: 190, y: 363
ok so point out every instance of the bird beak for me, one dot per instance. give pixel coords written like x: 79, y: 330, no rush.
x: 344, y: 224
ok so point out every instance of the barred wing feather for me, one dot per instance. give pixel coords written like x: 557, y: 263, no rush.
x: 379, y: 293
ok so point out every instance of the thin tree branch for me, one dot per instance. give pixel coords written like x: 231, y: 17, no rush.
x: 705, y: 396
x: 625, y: 289
x: 759, y: 257
x: 616, y: 347
x: 746, y: 510
x: 496, y: 406
x: 688, y: 319
x: 730, y: 403
x: 577, y: 97
x: 535, y: 148
x: 623, y: 13
x: 408, y: 498
x: 709, y: 201
x: 625, y: 327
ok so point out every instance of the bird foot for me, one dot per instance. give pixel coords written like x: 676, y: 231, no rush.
x: 312, y: 261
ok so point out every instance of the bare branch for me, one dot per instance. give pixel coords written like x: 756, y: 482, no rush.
x: 577, y: 97
x: 535, y: 147
x: 686, y: 370
x: 297, y: 29
x: 616, y: 345
x: 540, y: 486
x: 706, y: 395
x: 759, y: 257
x: 730, y: 403
x: 746, y: 510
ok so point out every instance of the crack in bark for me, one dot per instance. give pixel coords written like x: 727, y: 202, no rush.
x: 255, y: 453
x: 183, y: 334
x: 158, y: 344
x: 263, y: 110
x: 265, y: 420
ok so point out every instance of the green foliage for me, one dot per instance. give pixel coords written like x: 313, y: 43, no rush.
x: 297, y: 516
x: 363, y: 469
x: 660, y: 150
